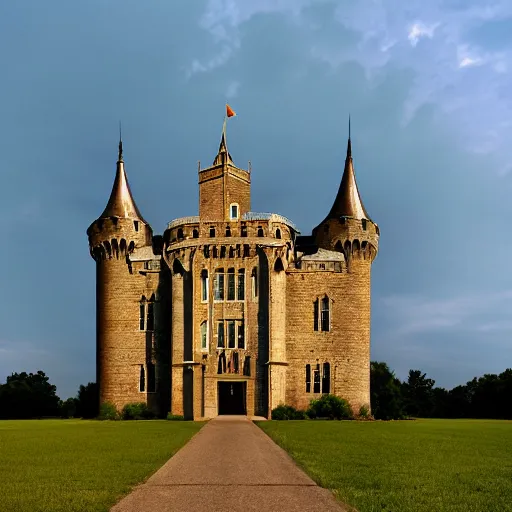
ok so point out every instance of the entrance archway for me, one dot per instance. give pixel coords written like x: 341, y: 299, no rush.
x: 232, y: 397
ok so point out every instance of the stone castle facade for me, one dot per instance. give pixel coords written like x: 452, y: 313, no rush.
x: 232, y: 311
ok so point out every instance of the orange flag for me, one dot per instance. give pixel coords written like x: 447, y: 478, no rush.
x: 229, y: 111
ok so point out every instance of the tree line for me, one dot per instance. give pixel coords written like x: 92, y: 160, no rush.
x: 30, y: 395
x: 489, y: 396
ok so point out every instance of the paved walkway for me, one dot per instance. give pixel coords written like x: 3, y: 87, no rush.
x: 230, y: 465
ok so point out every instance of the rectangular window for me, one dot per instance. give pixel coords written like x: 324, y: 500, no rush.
x: 241, y: 335
x: 204, y: 336
x: 150, y: 325
x: 308, y: 378
x: 142, y: 379
x: 231, y: 334
x: 151, y: 378
x: 326, y: 378
x: 220, y: 334
x: 325, y: 314
x: 243, y: 231
x: 142, y: 316
x: 231, y: 284
x: 316, y: 383
x: 234, y: 211
x: 219, y: 285
x: 315, y: 315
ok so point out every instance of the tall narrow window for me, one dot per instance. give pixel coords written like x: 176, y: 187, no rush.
x: 212, y: 231
x: 228, y: 231
x: 150, y: 325
x: 151, y: 378
x: 142, y: 314
x: 234, y: 211
x: 243, y: 231
x: 278, y: 233
x: 363, y: 224
x: 136, y: 225
x: 219, y: 284
x: 220, y: 334
x: 195, y: 233
x: 204, y: 336
x: 326, y: 320
x: 231, y: 334
x: 255, y: 282
x: 315, y: 315
x: 241, y: 284
x: 308, y: 378
x: 231, y: 284
x: 204, y: 285
x: 180, y: 233
x: 326, y: 378
x: 260, y: 231
x: 142, y: 379
x: 316, y: 383
x: 241, y: 335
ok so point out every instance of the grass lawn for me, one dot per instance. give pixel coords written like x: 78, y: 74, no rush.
x: 79, y: 465
x: 422, y: 465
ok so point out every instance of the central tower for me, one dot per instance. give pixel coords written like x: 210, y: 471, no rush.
x: 224, y: 189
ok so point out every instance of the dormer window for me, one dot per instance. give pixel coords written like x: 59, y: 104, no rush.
x: 233, y: 212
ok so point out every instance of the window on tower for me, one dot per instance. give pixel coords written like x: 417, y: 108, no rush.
x: 231, y: 334
x: 218, y: 285
x: 220, y: 334
x: 326, y: 378
x: 241, y: 335
x: 231, y: 284
x: 233, y: 212
x: 326, y: 314
x: 204, y: 335
x: 204, y: 285
x: 308, y: 378
x: 316, y: 379
x: 241, y: 284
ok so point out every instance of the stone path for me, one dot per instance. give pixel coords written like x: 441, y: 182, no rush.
x: 229, y: 465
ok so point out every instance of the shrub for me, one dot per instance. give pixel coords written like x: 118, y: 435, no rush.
x: 331, y: 407
x: 175, y: 417
x: 108, y: 411
x: 287, y: 412
x: 137, y: 411
x: 364, y: 412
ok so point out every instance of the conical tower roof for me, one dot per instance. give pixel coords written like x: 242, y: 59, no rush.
x: 121, y: 202
x: 223, y: 155
x: 348, y: 202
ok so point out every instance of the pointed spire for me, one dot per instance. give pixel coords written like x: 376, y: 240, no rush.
x: 223, y: 154
x: 121, y: 203
x: 348, y: 202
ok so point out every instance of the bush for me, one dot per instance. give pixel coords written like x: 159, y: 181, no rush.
x: 364, y: 412
x: 137, y: 411
x: 287, y: 412
x: 331, y: 407
x: 175, y: 417
x: 108, y: 411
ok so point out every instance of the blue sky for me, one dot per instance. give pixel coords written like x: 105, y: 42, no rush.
x: 428, y: 86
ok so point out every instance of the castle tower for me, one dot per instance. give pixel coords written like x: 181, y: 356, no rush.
x: 224, y: 189
x: 122, y: 353
x: 348, y: 229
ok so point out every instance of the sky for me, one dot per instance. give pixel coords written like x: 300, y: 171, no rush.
x: 428, y: 86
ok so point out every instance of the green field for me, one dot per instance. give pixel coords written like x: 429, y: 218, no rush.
x: 78, y: 465
x: 422, y: 465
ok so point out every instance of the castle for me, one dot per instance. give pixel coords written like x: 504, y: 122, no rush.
x: 232, y: 311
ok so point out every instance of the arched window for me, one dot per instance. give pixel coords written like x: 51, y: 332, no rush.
x: 326, y: 314
x: 180, y: 234
x: 241, y: 284
x: 326, y: 378
x: 150, y: 323
x: 278, y: 233
x: 204, y: 285
x: 218, y: 284
x: 231, y: 284
x: 204, y: 335
x: 260, y: 231
x: 316, y: 379
x: 315, y: 315
x: 308, y: 378
x: 195, y: 233
x: 254, y: 278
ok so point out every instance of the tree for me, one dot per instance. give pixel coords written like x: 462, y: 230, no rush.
x: 68, y: 408
x: 418, y: 394
x: 88, y: 401
x: 385, y: 392
x: 28, y: 396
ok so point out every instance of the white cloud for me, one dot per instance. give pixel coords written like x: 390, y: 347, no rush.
x: 419, y: 30
x: 232, y: 90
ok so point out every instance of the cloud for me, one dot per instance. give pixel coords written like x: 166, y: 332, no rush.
x: 419, y: 30
x: 232, y: 90
x: 416, y: 314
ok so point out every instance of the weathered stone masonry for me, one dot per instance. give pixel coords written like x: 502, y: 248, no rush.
x: 232, y: 311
